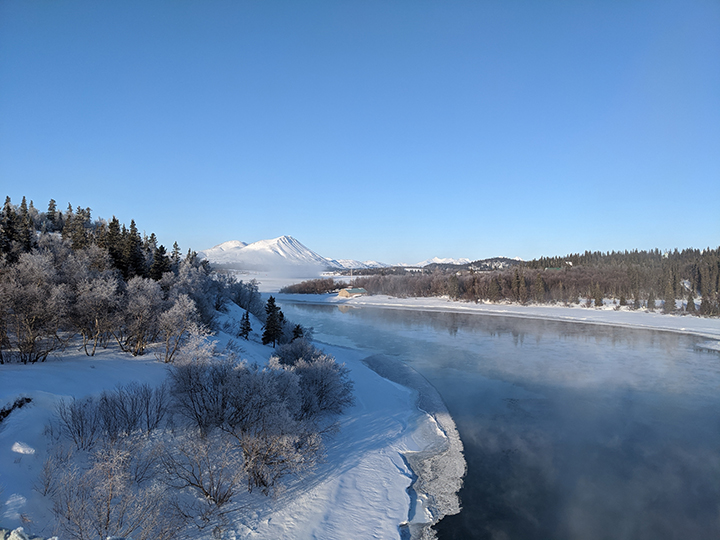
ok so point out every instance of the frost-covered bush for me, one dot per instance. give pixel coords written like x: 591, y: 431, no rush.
x: 298, y: 349
x: 210, y: 466
x: 259, y: 410
x: 325, y: 386
x: 108, y: 498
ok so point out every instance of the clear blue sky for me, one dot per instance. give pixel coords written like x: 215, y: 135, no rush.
x: 391, y: 130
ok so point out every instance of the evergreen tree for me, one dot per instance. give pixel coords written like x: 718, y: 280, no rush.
x: 539, y: 288
x: 598, y: 296
x: 705, y: 305
x: 297, y: 333
x: 273, y: 323
x: 245, y: 326
x: 9, y: 227
x: 494, y: 290
x: 691, y: 303
x: 52, y: 215
x: 160, y: 264
x: 175, y: 257
x: 669, y: 298
x: 651, y: 301
x: 133, y: 257
x: 636, y: 303
x: 25, y: 229
x: 522, y: 290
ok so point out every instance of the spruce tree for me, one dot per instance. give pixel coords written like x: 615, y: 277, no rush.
x: 598, y: 296
x: 297, y: 333
x: 669, y: 298
x: 245, y: 326
x: 273, y: 323
x: 133, y: 257
x: 691, y: 303
x: 175, y: 257
x: 651, y: 301
x: 160, y: 263
x: 25, y: 229
x: 539, y: 288
x: 52, y: 215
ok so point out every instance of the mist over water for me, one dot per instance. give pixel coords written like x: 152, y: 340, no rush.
x: 571, y: 431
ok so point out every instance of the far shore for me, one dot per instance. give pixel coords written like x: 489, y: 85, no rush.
x: 708, y: 327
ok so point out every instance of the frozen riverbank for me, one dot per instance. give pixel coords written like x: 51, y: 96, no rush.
x: 439, y: 467
x: 608, y: 315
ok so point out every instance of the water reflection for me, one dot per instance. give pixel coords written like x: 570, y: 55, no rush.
x: 571, y: 431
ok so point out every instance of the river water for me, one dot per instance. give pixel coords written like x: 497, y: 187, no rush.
x: 571, y: 431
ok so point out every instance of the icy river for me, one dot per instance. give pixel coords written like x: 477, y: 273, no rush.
x: 571, y: 431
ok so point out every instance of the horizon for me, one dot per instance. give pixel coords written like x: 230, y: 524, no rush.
x: 388, y: 132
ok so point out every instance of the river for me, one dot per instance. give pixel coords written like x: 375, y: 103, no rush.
x: 571, y: 431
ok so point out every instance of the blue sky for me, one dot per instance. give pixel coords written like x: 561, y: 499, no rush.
x: 393, y: 130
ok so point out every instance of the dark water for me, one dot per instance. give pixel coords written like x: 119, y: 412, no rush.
x: 571, y: 431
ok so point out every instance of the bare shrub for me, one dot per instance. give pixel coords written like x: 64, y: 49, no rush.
x: 104, y: 500
x: 132, y: 407
x: 200, y: 391
x: 78, y: 421
x: 208, y: 465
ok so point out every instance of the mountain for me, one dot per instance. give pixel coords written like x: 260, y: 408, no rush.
x: 284, y: 252
x: 348, y: 264
x: 438, y: 260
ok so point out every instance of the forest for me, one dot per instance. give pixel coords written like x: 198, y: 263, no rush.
x: 638, y: 279
x: 65, y: 276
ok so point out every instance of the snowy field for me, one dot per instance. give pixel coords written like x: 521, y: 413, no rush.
x: 360, y: 490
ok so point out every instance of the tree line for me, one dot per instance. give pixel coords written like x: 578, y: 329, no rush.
x: 637, y: 279
x: 63, y: 276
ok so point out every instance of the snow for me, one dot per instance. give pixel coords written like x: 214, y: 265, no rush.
x: 439, y: 260
x: 284, y: 252
x: 352, y: 264
x: 360, y: 490
x: 394, y: 465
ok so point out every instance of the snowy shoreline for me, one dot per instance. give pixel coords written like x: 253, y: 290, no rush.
x: 606, y: 316
x: 439, y: 467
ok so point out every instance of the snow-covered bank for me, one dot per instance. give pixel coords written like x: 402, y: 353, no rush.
x: 360, y: 491
x: 701, y: 326
x: 439, y: 466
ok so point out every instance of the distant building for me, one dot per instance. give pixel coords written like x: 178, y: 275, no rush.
x: 352, y: 293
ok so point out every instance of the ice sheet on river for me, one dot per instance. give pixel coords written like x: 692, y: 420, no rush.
x: 440, y: 466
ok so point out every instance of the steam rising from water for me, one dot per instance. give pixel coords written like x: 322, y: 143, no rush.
x: 570, y: 431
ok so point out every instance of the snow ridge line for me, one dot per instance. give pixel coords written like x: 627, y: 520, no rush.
x: 440, y: 466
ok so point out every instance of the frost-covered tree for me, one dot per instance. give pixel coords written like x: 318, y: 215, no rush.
x: 142, y: 314
x: 176, y: 324
x: 96, y: 312
x: 33, y: 305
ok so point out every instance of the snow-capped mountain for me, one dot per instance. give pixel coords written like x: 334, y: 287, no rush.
x: 348, y: 264
x: 266, y: 255
x: 438, y: 260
